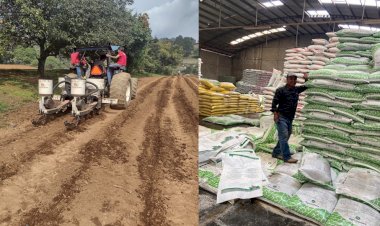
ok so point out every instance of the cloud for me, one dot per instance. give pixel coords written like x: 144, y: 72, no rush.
x: 173, y: 18
x: 145, y: 5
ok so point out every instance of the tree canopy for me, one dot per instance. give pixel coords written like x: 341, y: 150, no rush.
x: 187, y: 44
x: 54, y: 25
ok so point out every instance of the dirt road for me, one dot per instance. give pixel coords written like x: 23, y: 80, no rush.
x: 16, y: 66
x: 132, y: 167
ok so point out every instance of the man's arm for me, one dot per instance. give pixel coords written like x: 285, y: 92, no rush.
x: 275, y: 101
x: 301, y: 88
x: 113, y: 57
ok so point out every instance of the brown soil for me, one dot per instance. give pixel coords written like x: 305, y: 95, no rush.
x: 132, y: 167
x: 15, y: 66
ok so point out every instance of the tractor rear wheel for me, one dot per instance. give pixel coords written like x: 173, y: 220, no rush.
x: 134, y: 87
x: 121, y: 89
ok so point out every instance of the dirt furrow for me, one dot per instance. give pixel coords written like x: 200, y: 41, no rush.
x: 133, y: 167
x: 27, y: 199
x: 187, y: 109
x: 150, y: 160
x: 123, y: 184
x: 180, y: 189
x: 91, y: 153
x: 193, y: 85
x: 18, y: 149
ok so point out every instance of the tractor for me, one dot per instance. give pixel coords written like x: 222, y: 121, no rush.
x: 85, y: 96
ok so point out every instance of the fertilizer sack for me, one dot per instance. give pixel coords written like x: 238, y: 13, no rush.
x: 330, y: 84
x: 376, y: 56
x: 351, y: 46
x: 350, y: 212
x: 228, y: 120
x: 361, y: 184
x: 212, y: 144
x: 280, y: 189
x: 356, y: 33
x: 316, y: 169
x: 313, y: 203
x: 209, y: 176
x: 241, y: 178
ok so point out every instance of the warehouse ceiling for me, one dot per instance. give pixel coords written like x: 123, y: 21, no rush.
x: 224, y: 21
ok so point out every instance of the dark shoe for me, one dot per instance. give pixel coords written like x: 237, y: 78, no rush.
x: 278, y: 157
x: 291, y: 160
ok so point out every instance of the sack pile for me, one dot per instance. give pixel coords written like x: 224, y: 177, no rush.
x: 305, y: 60
x: 276, y: 81
x: 343, y: 103
x: 220, y: 99
x: 253, y: 80
x: 312, y: 189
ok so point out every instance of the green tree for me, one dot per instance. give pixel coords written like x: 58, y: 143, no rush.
x: 53, y: 25
x: 23, y: 55
x: 187, y: 44
x: 163, y: 56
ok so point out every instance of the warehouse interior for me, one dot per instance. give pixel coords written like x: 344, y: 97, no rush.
x: 251, y: 53
x: 222, y: 21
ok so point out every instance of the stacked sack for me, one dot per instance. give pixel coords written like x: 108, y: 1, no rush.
x: 343, y: 103
x: 253, y: 80
x: 275, y: 82
x: 301, y: 61
x: 221, y: 99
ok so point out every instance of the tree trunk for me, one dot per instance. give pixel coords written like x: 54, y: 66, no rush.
x: 41, y: 65
x: 42, y: 59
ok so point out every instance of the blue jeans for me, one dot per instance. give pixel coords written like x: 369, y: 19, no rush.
x: 79, y: 71
x: 284, y: 129
x: 110, y: 70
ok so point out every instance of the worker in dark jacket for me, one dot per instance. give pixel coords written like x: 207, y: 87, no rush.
x: 284, y: 106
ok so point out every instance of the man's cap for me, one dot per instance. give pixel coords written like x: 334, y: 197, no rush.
x: 291, y: 75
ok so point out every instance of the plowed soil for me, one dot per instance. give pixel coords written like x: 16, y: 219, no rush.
x: 131, y: 167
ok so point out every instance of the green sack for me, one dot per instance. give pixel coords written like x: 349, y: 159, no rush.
x: 351, y: 46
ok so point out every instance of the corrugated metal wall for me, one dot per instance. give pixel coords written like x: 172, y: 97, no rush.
x: 215, y: 65
x: 267, y: 55
x: 264, y: 57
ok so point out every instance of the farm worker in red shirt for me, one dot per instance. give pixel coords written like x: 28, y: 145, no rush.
x: 121, y: 63
x: 75, y: 62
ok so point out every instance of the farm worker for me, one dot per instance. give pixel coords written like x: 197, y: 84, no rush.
x: 75, y: 62
x: 121, y: 63
x: 284, y: 107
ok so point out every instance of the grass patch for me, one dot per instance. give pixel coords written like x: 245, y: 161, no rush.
x: 18, y: 87
x: 3, y: 107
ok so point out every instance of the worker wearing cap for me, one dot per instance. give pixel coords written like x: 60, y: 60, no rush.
x: 284, y: 107
x: 121, y: 63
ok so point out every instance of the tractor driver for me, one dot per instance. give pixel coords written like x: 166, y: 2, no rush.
x: 121, y: 63
x: 78, y: 62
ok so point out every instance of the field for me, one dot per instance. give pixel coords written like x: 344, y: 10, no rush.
x: 131, y: 167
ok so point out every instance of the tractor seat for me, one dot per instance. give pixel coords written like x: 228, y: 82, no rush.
x: 97, y: 70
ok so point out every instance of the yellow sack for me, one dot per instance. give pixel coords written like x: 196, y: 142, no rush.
x: 217, y: 89
x: 226, y: 92
x: 202, y: 86
x: 206, y: 83
x: 227, y: 86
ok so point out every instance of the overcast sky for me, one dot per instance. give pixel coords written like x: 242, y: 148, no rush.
x: 170, y: 18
